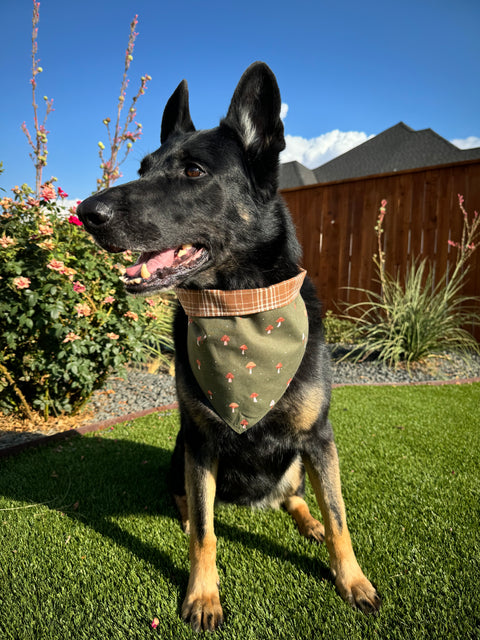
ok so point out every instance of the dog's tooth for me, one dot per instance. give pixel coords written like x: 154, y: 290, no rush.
x: 185, y: 248
x: 145, y: 273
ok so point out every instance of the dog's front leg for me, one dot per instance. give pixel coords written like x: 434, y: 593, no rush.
x: 323, y: 469
x: 201, y: 606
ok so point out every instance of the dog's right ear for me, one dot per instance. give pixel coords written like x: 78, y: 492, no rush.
x: 176, y: 117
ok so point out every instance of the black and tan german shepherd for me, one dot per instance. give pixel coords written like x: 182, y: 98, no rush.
x: 205, y: 213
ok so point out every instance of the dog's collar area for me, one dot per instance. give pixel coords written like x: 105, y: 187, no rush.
x: 209, y: 303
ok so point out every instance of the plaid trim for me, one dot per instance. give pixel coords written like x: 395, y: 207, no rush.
x: 209, y: 303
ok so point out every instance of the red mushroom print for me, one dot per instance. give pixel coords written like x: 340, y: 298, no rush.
x: 243, y: 348
x: 279, y: 367
x: 244, y: 423
x: 233, y: 406
x: 289, y: 381
x: 279, y: 321
x: 229, y: 377
x: 269, y: 329
x: 199, y: 364
x: 254, y: 396
x: 272, y: 404
x: 250, y: 366
x: 225, y: 340
x: 210, y: 395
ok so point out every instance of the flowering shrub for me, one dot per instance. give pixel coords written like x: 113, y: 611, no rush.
x: 121, y: 134
x: 65, y: 319
x: 416, y: 318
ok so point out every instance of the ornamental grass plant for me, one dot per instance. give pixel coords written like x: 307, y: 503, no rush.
x: 418, y: 317
x: 66, y: 322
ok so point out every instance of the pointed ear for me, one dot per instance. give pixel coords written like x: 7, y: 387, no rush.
x: 176, y: 116
x: 254, y: 114
x: 254, y: 111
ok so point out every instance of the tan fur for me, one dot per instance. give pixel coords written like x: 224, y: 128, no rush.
x: 306, y: 523
x: 350, y: 581
x: 202, y: 602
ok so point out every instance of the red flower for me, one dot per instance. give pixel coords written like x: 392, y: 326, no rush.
x: 62, y: 193
x: 74, y: 220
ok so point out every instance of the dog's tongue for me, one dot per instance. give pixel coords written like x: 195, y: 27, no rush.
x: 153, y: 260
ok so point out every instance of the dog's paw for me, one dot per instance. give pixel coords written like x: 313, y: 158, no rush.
x: 313, y: 530
x: 360, y: 594
x: 203, y: 612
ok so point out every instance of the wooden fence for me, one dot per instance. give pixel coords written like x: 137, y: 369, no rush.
x: 336, y: 222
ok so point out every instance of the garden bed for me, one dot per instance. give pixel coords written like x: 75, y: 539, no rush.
x: 138, y: 391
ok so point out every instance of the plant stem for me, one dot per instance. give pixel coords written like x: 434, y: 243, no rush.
x: 23, y: 401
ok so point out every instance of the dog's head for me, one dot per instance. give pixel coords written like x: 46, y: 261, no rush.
x: 206, y: 202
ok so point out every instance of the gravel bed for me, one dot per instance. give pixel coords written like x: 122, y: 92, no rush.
x: 139, y: 390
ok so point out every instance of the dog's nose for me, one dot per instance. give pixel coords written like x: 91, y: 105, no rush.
x: 94, y: 212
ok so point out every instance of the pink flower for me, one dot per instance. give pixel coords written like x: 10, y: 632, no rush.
x: 45, y: 229
x: 74, y: 220
x: 149, y: 314
x: 6, y: 203
x: 56, y: 265
x: 150, y: 302
x: 21, y: 282
x: 5, y: 241
x: 109, y: 300
x: 155, y: 623
x: 71, y: 337
x: 62, y: 193
x: 83, y: 310
x: 79, y: 287
x: 49, y: 245
x: 113, y: 336
x: 48, y: 192
x: 132, y: 315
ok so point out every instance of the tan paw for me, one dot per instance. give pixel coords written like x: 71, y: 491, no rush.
x: 203, y: 612
x: 360, y: 594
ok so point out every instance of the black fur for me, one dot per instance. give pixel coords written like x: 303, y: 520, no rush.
x: 217, y: 190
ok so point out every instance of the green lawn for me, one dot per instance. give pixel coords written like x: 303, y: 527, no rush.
x: 90, y: 546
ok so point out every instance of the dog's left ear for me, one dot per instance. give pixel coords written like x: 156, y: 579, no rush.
x: 176, y: 116
x: 254, y: 114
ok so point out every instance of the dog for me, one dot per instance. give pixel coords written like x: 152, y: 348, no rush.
x: 207, y: 219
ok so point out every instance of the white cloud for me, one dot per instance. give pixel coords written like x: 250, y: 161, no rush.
x: 312, y: 152
x: 283, y: 111
x: 466, y: 143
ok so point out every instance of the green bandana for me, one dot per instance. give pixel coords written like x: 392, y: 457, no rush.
x: 244, y: 363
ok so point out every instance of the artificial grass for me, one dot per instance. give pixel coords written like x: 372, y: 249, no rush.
x: 90, y: 546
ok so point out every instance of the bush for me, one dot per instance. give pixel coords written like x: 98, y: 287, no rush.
x: 339, y: 329
x: 411, y: 320
x: 65, y: 319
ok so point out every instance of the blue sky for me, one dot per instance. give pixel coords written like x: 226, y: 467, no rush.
x: 347, y: 70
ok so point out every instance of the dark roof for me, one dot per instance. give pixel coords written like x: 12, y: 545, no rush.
x: 395, y: 149
x: 294, y: 174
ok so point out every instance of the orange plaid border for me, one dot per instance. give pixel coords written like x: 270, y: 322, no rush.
x: 209, y: 303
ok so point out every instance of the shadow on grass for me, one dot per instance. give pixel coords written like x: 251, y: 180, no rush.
x: 99, y: 479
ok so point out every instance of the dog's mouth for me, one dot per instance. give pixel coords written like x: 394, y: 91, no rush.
x: 156, y: 270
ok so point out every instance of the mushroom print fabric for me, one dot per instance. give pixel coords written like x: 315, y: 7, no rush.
x: 244, y: 364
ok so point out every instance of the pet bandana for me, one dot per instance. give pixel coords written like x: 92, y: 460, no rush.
x: 245, y: 346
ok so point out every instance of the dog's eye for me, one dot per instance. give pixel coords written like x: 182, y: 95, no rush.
x: 194, y: 171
